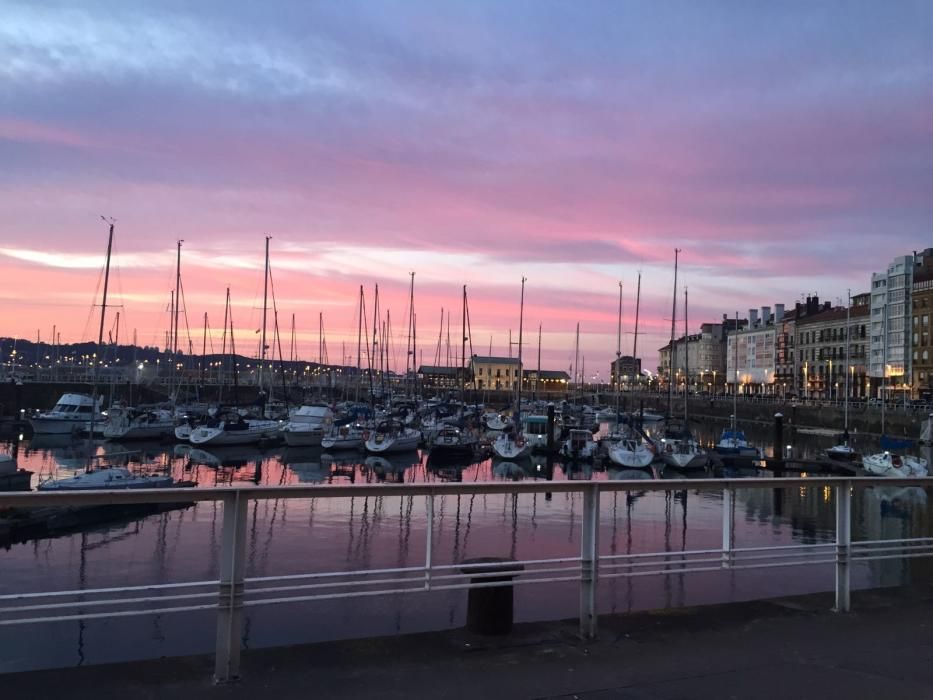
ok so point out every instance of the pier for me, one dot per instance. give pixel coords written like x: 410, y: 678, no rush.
x: 766, y: 650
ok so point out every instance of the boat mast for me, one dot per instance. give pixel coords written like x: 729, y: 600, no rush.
x: 100, y: 336
x: 518, y: 395
x: 265, y: 309
x: 635, y: 341
x: 223, y: 351
x: 359, y: 346
x: 203, y: 349
x: 576, y: 363
x: 670, y: 378
x: 463, y: 340
x: 618, y: 372
x: 409, y: 347
x: 177, y: 307
x: 538, y: 373
x: 686, y: 357
x: 373, y: 359
x: 884, y: 359
x: 735, y: 386
x: 848, y: 360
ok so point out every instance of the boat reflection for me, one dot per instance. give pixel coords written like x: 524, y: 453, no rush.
x: 390, y: 468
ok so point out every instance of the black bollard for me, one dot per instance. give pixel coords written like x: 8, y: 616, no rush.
x: 779, y: 437
x: 550, y: 429
x: 489, y: 609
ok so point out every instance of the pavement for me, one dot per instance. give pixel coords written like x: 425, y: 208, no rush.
x: 792, y: 648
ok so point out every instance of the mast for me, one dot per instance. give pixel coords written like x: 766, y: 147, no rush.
x: 884, y: 359
x: 223, y: 351
x: 100, y: 335
x: 463, y: 339
x: 203, y: 348
x: 265, y: 309
x: 635, y: 341
x: 359, y: 346
x: 538, y: 373
x: 845, y: 430
x: 372, y: 390
x: 518, y: 395
x: 686, y: 356
x: 735, y: 386
x: 576, y: 363
x: 618, y: 371
x: 670, y: 378
x: 177, y: 305
x: 409, y: 347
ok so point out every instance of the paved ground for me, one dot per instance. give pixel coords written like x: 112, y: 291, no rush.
x: 783, y: 649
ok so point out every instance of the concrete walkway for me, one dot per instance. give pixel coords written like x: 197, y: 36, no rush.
x: 782, y: 649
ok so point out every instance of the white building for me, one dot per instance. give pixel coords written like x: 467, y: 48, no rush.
x: 890, y: 314
x: 754, y: 365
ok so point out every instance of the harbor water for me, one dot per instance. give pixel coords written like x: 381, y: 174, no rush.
x: 317, y: 535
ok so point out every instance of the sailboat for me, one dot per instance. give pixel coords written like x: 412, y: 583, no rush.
x: 843, y: 450
x: 732, y: 443
x: 679, y: 449
x: 511, y: 443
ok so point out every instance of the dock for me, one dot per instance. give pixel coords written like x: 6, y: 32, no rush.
x: 766, y: 650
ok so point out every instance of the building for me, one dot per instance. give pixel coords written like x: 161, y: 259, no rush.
x: 439, y: 377
x: 548, y: 381
x: 751, y: 352
x: 627, y: 368
x: 702, y: 355
x: 494, y: 372
x: 891, y: 345
x: 921, y: 337
x: 786, y: 353
x: 832, y: 343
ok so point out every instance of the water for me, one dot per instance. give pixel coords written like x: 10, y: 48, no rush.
x: 296, y: 536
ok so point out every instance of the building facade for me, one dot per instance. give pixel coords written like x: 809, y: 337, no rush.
x: 921, y: 336
x: 833, y: 349
x: 627, y: 369
x: 494, y: 372
x: 698, y: 359
x: 890, y: 318
x: 751, y: 352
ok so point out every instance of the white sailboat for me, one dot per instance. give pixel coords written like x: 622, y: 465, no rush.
x: 511, y: 444
x: 128, y: 423
x: 108, y: 478
x: 392, y: 436
x: 631, y: 453
x: 843, y: 450
x: 889, y: 464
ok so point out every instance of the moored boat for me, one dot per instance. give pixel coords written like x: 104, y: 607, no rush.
x: 889, y: 464
x: 72, y: 413
x: 392, y: 436
x: 108, y: 478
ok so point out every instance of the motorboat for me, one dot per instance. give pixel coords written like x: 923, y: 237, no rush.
x: 579, y: 445
x: 678, y: 449
x: 843, y: 452
x: 307, y: 425
x: 392, y: 436
x: 108, y: 478
x: 534, y: 430
x: 631, y: 453
x: 453, y: 443
x: 127, y: 423
x: 233, y: 429
x: 889, y: 464
x: 72, y: 413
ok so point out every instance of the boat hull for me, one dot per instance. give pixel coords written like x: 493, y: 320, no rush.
x: 631, y: 459
x: 303, y: 438
x: 388, y: 445
x: 219, y: 436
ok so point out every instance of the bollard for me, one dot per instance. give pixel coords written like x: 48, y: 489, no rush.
x: 489, y: 609
x: 778, y: 435
x: 551, y: 448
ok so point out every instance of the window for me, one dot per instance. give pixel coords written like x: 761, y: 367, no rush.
x: 926, y: 355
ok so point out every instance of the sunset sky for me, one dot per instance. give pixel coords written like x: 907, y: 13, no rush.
x: 787, y: 148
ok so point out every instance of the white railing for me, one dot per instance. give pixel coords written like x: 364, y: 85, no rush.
x: 236, y: 591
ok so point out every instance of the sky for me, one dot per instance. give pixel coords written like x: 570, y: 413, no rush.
x: 785, y: 148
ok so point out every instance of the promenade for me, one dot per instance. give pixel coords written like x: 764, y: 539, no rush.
x: 789, y: 648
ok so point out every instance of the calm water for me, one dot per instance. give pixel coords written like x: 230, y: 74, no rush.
x: 298, y: 536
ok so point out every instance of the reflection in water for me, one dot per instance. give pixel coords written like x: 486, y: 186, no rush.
x: 288, y: 536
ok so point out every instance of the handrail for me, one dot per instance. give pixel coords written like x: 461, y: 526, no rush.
x: 235, y: 591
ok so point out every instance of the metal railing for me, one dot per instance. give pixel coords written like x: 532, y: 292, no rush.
x: 233, y: 591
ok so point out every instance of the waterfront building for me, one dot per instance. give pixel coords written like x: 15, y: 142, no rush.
x: 786, y: 353
x: 435, y: 377
x: 891, y: 346
x: 627, y: 369
x: 549, y: 381
x: 751, y: 358
x: 489, y: 372
x: 921, y: 337
x: 828, y: 349
x: 701, y: 354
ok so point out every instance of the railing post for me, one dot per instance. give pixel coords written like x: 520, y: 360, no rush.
x: 589, y: 558
x: 728, y: 497
x: 429, y: 541
x: 843, y: 543
x: 230, y: 600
